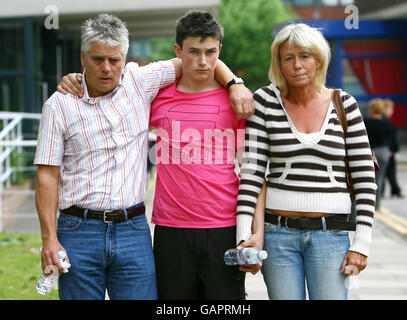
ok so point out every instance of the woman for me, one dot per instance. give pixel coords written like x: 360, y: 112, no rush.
x: 296, y: 133
x: 379, y: 132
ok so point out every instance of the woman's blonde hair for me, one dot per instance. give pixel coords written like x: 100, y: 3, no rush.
x: 377, y: 106
x: 308, y: 38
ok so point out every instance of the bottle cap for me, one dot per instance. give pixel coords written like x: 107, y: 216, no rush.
x: 262, y: 254
x: 61, y: 254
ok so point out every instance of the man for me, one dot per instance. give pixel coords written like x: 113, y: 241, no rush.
x: 391, y: 172
x: 91, y: 158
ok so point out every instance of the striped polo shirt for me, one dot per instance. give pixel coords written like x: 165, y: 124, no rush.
x: 101, y: 143
x: 306, y: 174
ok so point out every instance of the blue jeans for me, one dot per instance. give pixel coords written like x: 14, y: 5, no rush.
x: 114, y: 256
x: 296, y: 256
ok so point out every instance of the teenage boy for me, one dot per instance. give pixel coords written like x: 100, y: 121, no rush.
x: 196, y: 189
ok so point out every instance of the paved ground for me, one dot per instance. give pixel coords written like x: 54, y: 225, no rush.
x: 386, y: 275
x: 27, y: 220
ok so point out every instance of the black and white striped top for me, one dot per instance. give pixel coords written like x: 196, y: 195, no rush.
x: 306, y: 175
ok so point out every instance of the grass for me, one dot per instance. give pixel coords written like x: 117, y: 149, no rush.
x: 20, y: 267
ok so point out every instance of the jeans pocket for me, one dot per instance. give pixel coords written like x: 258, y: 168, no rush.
x: 339, y: 232
x: 268, y: 227
x: 139, y: 223
x: 68, y: 223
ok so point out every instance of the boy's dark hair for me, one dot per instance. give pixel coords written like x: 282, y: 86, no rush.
x: 197, y: 23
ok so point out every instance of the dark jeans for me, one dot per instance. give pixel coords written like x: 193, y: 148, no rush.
x: 382, y: 155
x: 392, y: 177
x: 190, y: 265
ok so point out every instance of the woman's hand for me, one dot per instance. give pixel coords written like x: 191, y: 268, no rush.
x: 71, y: 83
x: 355, y: 259
x: 256, y: 240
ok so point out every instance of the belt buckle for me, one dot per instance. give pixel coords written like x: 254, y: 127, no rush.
x: 286, y: 224
x: 104, y: 216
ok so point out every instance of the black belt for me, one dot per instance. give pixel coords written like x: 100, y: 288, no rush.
x: 106, y: 216
x: 332, y: 222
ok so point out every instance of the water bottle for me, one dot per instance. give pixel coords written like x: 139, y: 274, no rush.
x: 46, y: 283
x: 352, y: 280
x: 244, y: 256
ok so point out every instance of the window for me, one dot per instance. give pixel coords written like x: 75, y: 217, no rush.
x: 12, y: 82
x: 11, y: 46
x: 140, y: 48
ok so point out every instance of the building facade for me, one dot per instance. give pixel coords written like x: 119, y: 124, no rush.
x: 39, y: 42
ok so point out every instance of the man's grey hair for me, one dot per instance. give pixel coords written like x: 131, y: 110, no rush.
x: 106, y: 29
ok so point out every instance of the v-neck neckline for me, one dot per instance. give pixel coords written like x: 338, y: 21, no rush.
x: 298, y: 134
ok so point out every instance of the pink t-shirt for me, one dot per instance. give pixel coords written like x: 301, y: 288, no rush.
x: 198, y: 135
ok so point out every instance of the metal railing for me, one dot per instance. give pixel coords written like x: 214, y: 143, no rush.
x: 12, y: 145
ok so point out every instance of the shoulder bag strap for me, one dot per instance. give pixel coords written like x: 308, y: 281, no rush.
x: 340, y: 111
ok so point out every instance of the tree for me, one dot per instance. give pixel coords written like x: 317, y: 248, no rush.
x: 248, y: 26
x: 162, y: 48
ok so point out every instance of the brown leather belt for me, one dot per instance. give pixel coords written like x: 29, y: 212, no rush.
x: 332, y: 222
x: 106, y: 216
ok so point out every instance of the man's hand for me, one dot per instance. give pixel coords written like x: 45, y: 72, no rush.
x: 355, y: 259
x: 240, y: 97
x: 241, y: 101
x: 256, y: 240
x: 49, y: 256
x: 71, y: 83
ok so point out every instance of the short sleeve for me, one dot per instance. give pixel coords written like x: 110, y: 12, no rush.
x: 155, y: 76
x: 50, y: 144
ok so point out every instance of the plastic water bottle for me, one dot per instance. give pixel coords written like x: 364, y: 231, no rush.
x: 46, y: 283
x: 352, y: 281
x: 244, y: 256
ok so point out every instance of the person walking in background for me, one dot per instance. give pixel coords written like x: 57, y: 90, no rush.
x: 391, y: 172
x: 379, y: 132
x: 296, y: 133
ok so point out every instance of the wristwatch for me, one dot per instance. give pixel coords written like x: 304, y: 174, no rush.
x: 234, y: 81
